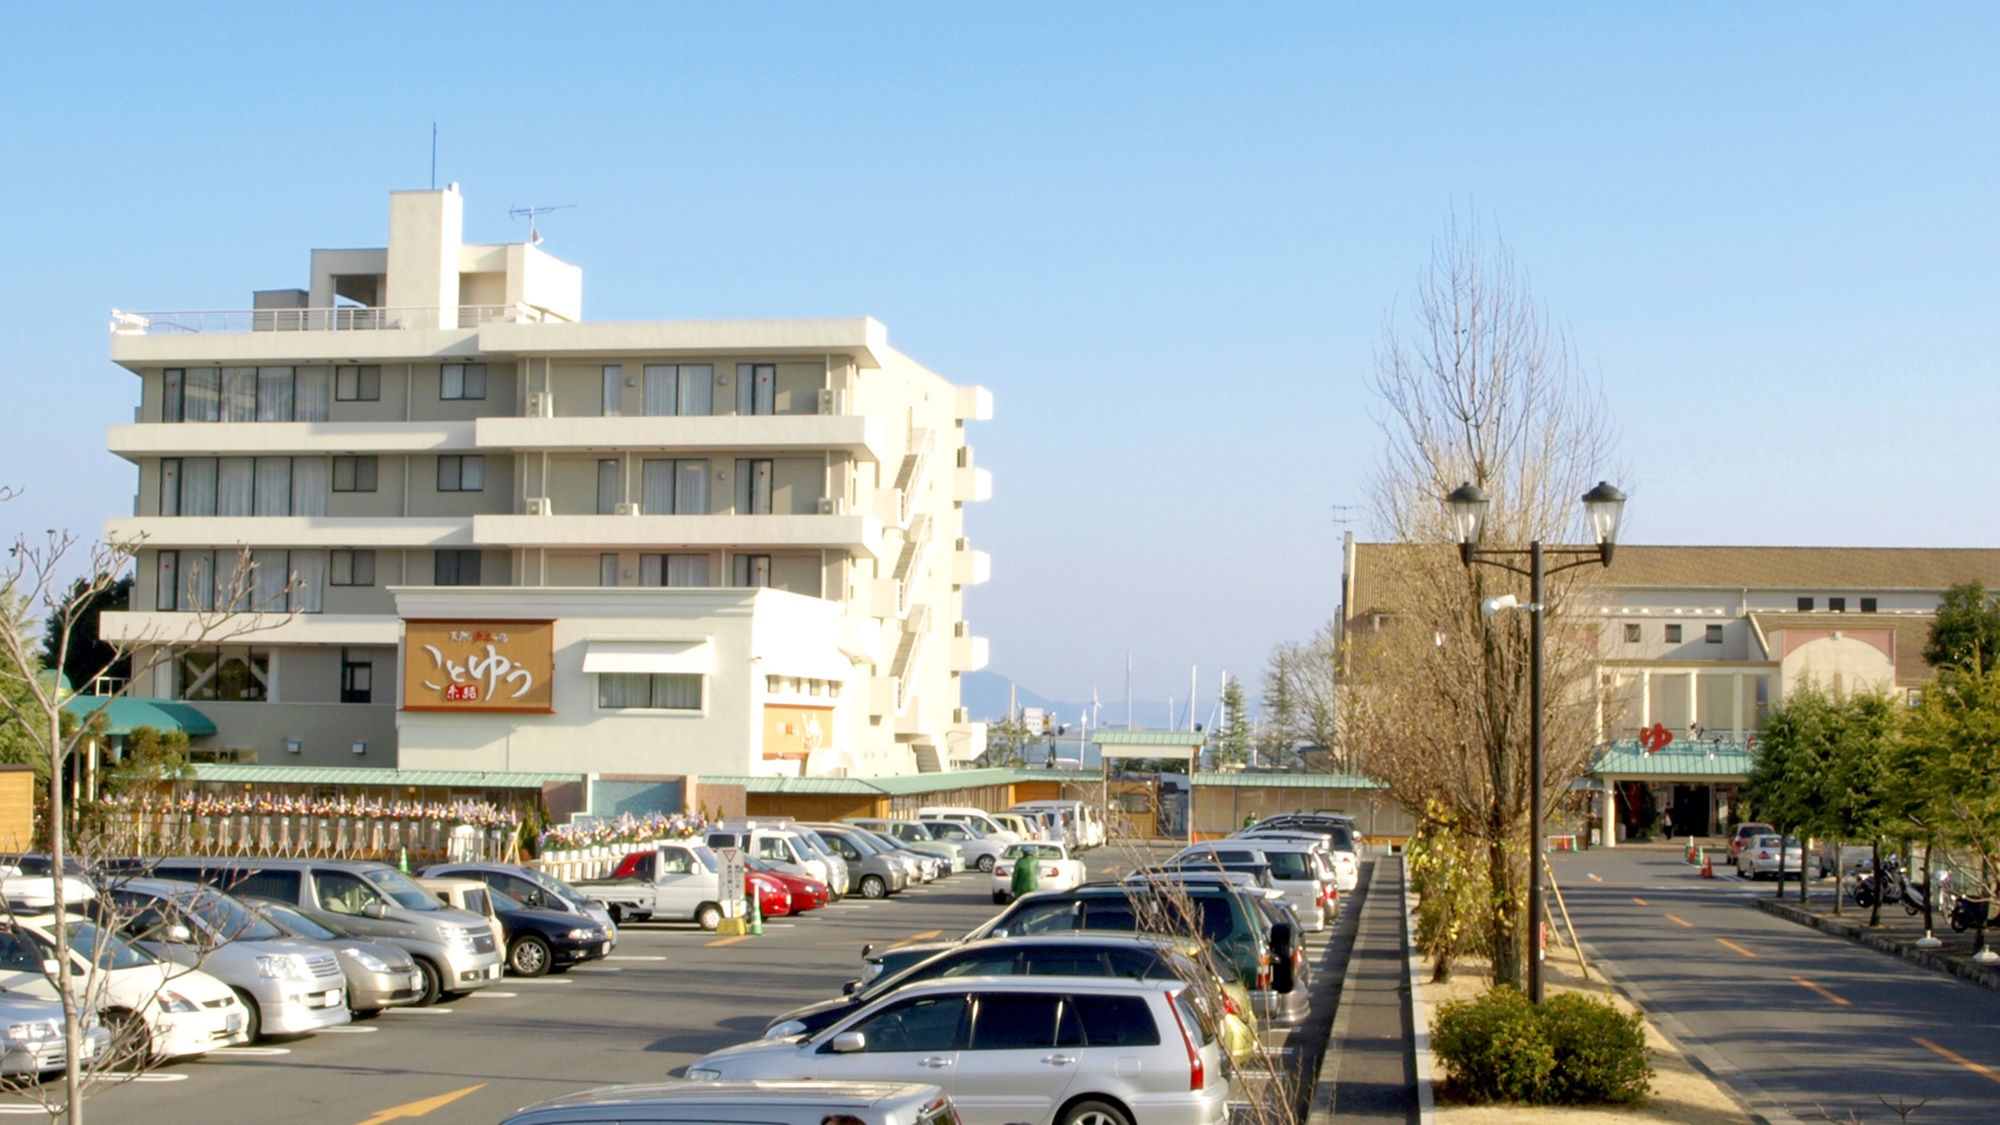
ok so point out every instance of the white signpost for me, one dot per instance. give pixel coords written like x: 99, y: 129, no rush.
x: 733, y: 874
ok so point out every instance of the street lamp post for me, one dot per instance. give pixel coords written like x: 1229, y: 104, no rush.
x: 1604, y: 506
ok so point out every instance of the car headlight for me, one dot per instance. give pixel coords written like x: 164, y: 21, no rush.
x: 582, y: 933
x: 784, y: 1030
x: 40, y: 1031
x: 283, y: 967
x: 704, y: 1074
x: 453, y: 935
x: 368, y: 960
x: 171, y: 1001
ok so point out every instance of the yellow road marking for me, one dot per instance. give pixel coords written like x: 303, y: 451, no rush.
x: 728, y: 940
x: 421, y: 1107
x: 1842, y: 1001
x: 1958, y: 1058
x: 1732, y: 945
x: 925, y: 936
x: 1640, y: 901
x: 1680, y: 921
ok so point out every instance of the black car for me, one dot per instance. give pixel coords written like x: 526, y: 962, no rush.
x: 1063, y: 955
x: 542, y: 941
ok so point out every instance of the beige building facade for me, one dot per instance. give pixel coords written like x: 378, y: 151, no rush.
x: 432, y: 432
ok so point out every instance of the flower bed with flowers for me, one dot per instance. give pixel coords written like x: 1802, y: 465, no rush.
x: 591, y: 850
x: 269, y: 824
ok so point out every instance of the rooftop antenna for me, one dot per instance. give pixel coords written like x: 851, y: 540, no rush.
x: 529, y: 213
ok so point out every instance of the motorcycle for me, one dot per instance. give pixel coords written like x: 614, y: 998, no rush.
x: 1970, y: 913
x: 1915, y: 893
x: 1888, y: 883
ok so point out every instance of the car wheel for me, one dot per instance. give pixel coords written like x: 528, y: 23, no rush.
x: 709, y: 916
x: 617, y: 914
x: 1095, y: 1113
x: 253, y: 1014
x: 986, y: 864
x: 365, y: 1013
x: 872, y: 886
x: 999, y: 898
x: 529, y: 956
x: 433, y: 985
x: 131, y: 1041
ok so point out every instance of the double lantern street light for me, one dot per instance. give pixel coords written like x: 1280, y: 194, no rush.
x: 1604, y: 506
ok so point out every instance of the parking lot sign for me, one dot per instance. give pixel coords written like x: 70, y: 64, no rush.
x: 732, y: 881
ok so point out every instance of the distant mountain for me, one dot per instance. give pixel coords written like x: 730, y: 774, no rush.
x: 985, y: 695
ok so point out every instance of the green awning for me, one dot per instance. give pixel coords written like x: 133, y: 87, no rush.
x: 1244, y: 779
x: 124, y: 714
x: 253, y: 774
x: 1725, y: 760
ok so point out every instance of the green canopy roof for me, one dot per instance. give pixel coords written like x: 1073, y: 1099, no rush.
x: 1149, y: 738
x: 124, y: 714
x: 1244, y: 779
x: 366, y: 775
x: 1717, y: 759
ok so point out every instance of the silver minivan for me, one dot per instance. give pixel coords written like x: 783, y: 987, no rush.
x: 454, y: 951
x: 1036, y: 1050
x: 289, y: 985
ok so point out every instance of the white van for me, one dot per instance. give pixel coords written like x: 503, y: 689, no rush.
x: 776, y: 842
x: 978, y: 818
x: 1086, y: 820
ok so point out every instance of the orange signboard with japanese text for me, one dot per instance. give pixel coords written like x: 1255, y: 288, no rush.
x: 479, y: 666
x: 795, y: 732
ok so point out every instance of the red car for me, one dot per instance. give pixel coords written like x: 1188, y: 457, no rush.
x: 773, y: 897
x: 807, y: 893
x: 774, y: 894
x: 1746, y: 832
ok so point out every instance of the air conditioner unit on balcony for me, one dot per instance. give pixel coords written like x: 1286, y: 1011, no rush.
x: 961, y: 716
x: 538, y: 405
x: 538, y: 506
x: 832, y: 401
x: 832, y: 506
x: 627, y: 509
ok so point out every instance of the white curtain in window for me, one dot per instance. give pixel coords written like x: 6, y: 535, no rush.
x: 172, y: 381
x: 274, y: 394
x: 167, y: 581
x: 687, y: 570
x: 652, y: 570
x: 268, y: 577
x: 656, y: 488
x: 312, y: 389
x: 660, y: 388
x: 691, y: 488
x: 697, y: 388
x: 234, y: 582
x: 170, y: 486
x: 310, y: 476
x: 198, y: 580
x: 203, y: 401
x: 239, y: 394
x: 679, y: 691
x: 623, y: 689
x: 614, y: 390
x: 607, y: 487
x: 309, y: 576
x: 274, y: 486
x: 198, y: 486
x: 235, y: 486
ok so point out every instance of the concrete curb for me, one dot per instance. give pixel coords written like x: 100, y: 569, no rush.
x: 1326, y: 1086
x: 1929, y: 958
x: 1420, y: 1045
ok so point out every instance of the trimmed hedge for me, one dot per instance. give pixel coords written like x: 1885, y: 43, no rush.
x: 1573, y: 1050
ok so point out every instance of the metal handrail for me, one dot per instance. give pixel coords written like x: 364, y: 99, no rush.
x: 343, y: 318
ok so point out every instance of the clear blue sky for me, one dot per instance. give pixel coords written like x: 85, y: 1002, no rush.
x: 1165, y: 236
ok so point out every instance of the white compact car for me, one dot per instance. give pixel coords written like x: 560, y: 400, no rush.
x: 1060, y: 872
x: 1029, y: 1050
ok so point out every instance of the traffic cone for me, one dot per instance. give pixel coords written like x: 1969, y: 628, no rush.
x: 403, y: 859
x: 1691, y: 850
x: 1707, y: 865
x: 756, y: 914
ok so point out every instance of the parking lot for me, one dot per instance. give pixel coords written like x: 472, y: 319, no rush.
x: 668, y: 994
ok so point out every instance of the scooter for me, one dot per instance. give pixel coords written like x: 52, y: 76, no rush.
x: 1969, y: 913
x: 1915, y: 892
x: 1888, y: 883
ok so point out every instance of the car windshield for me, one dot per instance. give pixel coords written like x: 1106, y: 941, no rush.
x: 943, y: 831
x: 1039, y: 851
x: 1290, y: 865
x: 704, y: 855
x: 226, y: 919
x: 297, y: 923
x: 504, y: 901
x: 84, y: 939
x: 554, y: 886
x: 398, y: 886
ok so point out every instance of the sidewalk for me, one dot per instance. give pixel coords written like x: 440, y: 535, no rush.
x: 1897, y: 935
x: 1368, y: 1072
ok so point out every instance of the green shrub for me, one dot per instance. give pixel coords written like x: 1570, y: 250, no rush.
x: 1573, y: 1050
x: 1600, y: 1052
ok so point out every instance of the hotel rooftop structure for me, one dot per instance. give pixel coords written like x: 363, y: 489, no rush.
x: 476, y: 532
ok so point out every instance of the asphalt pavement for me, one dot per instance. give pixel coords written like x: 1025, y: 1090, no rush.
x: 1797, y: 1021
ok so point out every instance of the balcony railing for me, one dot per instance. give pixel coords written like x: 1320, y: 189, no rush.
x: 349, y: 318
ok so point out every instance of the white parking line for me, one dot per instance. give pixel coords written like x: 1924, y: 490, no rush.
x: 636, y: 957
x: 348, y: 1029
x: 161, y: 1077
x: 597, y: 969
x: 537, y: 980
x: 420, y: 1011
x: 489, y: 996
x: 248, y: 1052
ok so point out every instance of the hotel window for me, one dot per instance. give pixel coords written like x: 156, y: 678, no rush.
x: 1836, y: 605
x: 607, y: 570
x: 687, y: 389
x: 462, y: 381
x: 351, y: 568
x: 357, y: 383
x: 756, y: 388
x: 1714, y: 635
x: 673, y: 570
x: 243, y: 486
x: 668, y: 488
x: 752, y: 570
x: 607, y: 487
x: 657, y: 691
x: 1805, y: 605
x: 173, y: 397
x: 614, y: 390
x: 1631, y: 632
x: 355, y: 474
x: 223, y: 675
x: 357, y: 679
x: 1868, y: 605
x: 203, y: 394
x: 461, y: 473
x: 1673, y: 634
x: 244, y: 394
x: 455, y: 568
x: 753, y: 487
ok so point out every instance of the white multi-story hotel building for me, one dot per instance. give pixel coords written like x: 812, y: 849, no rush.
x: 489, y: 535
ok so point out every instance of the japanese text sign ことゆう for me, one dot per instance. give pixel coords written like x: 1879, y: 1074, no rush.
x: 478, y: 665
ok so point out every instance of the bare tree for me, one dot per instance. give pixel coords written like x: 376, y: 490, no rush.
x: 1481, y: 388
x: 31, y: 582
x: 1300, y: 695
